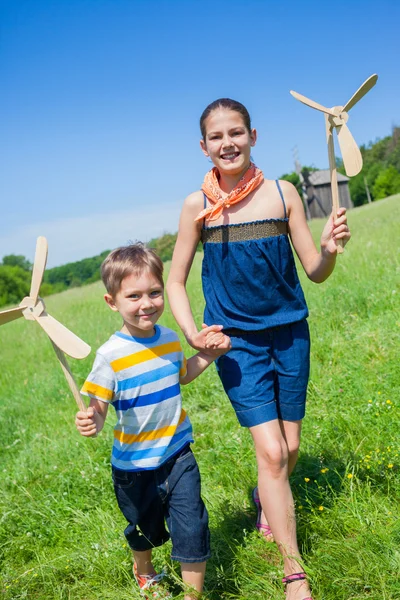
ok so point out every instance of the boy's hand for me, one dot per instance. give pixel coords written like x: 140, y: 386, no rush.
x: 198, y: 341
x: 218, y: 343
x: 85, y: 422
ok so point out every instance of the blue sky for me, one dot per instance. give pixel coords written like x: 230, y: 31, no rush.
x: 100, y: 102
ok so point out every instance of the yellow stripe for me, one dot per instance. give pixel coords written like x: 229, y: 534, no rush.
x: 97, y: 390
x: 147, y: 436
x: 183, y: 369
x: 139, y: 357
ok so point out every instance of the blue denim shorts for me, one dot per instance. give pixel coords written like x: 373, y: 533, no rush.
x: 171, y: 493
x: 265, y: 374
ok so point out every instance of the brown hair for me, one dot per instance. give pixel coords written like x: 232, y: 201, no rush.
x: 135, y: 258
x: 230, y: 105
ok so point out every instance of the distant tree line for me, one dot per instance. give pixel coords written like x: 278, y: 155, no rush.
x: 380, y: 174
x: 16, y: 273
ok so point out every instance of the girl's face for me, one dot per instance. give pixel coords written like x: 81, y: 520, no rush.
x: 228, y: 141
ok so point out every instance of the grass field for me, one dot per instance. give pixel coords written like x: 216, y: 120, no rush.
x: 61, y: 534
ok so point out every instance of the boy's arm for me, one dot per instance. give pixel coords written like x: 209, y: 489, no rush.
x: 199, y: 362
x: 90, y: 422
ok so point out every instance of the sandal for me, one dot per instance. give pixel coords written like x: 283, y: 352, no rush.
x: 295, y: 577
x: 265, y: 530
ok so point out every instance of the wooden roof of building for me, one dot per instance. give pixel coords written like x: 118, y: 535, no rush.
x: 323, y: 177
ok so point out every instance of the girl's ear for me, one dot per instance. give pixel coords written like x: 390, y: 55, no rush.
x: 110, y: 301
x: 253, y: 137
x: 203, y: 147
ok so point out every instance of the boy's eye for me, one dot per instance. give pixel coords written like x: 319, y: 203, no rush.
x: 155, y: 293
x: 134, y: 296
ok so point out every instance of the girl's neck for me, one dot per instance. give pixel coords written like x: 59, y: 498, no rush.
x: 228, y: 182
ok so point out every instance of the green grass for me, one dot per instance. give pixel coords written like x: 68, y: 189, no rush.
x: 61, y: 534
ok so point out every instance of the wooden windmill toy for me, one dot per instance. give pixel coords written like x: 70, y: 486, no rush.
x: 336, y: 118
x: 33, y: 309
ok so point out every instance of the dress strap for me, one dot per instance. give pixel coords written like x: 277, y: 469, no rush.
x: 205, y: 206
x: 281, y: 195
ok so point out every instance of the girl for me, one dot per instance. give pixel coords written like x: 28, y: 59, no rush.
x: 253, y: 293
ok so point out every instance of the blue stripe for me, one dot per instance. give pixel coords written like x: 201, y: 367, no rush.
x: 149, y: 377
x: 147, y: 399
x: 148, y: 452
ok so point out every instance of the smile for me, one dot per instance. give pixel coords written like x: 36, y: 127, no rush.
x: 147, y: 316
x: 230, y: 155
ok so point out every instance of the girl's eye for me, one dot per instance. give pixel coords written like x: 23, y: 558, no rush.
x: 134, y: 296
x: 155, y: 293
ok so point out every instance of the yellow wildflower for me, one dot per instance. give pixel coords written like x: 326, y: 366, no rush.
x: 321, y: 508
x: 350, y: 476
x: 390, y: 466
x: 306, y: 479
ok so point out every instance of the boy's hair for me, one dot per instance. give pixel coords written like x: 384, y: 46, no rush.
x: 135, y: 258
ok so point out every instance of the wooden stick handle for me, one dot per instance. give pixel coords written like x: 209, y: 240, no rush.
x: 334, y: 182
x: 69, y: 377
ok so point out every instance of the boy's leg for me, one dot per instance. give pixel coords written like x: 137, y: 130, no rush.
x: 187, y: 519
x: 193, y: 576
x: 143, y: 562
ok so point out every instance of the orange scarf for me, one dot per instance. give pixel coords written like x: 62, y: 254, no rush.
x: 250, y: 180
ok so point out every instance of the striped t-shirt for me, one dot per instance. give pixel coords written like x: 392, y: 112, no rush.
x: 140, y: 378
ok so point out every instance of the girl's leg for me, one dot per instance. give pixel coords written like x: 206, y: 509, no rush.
x: 193, y: 575
x: 291, y: 431
x: 272, y: 455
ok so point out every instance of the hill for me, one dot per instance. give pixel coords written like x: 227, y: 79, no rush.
x: 61, y: 535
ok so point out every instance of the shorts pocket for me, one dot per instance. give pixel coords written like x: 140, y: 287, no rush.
x: 188, y: 453
x: 123, y: 479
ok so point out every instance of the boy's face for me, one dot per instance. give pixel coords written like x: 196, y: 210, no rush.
x: 140, y: 302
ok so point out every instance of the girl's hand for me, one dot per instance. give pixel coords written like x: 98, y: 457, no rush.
x: 85, y: 422
x: 335, y: 229
x: 198, y: 340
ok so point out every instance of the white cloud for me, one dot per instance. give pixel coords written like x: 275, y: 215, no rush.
x: 81, y: 237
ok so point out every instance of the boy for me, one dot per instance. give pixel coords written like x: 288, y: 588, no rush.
x: 139, y: 371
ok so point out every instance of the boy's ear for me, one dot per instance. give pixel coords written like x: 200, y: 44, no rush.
x: 110, y: 301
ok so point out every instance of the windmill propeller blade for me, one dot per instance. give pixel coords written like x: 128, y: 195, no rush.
x: 352, y: 159
x: 362, y: 90
x: 39, y: 266
x: 67, y: 341
x: 11, y: 314
x: 313, y: 104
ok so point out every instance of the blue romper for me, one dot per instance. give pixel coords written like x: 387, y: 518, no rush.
x: 251, y: 287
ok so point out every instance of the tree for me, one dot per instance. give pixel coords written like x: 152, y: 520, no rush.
x: 17, y: 260
x: 387, y: 183
x: 14, y: 284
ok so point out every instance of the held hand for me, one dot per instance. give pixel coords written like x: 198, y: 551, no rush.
x: 223, y: 347
x: 85, y: 422
x: 335, y: 229
x: 198, y: 341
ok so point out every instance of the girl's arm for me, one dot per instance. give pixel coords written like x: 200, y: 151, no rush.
x: 317, y: 265
x: 185, y: 248
x: 91, y: 422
